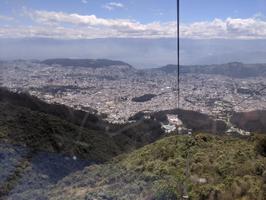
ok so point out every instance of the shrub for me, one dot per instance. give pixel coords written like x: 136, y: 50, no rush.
x: 166, y: 193
x: 261, y: 146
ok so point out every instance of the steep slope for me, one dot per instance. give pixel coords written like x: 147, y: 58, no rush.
x: 76, y: 117
x: 38, y: 149
x: 88, y: 120
x: 29, y: 121
x: 19, y: 125
x: 216, y: 168
x: 40, y: 144
x: 25, y: 170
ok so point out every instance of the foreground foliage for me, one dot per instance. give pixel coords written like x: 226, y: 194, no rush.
x: 217, y: 168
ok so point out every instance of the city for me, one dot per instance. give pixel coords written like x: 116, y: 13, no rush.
x: 112, y: 90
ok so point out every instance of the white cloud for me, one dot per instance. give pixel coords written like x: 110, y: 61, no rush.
x: 113, y: 5
x: 72, y: 25
x: 84, y: 1
x: 113, y: 27
x: 250, y: 28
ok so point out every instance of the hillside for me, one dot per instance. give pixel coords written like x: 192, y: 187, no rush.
x: 37, y: 149
x: 19, y: 125
x: 253, y: 121
x: 196, y: 121
x: 88, y: 120
x: 91, y: 63
x: 40, y: 143
x: 44, y: 149
x: 69, y: 114
x: 216, y: 168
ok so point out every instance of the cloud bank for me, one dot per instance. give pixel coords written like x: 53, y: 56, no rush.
x: 75, y: 26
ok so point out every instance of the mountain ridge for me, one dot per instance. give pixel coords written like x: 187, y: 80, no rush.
x: 233, y: 69
x: 90, y: 63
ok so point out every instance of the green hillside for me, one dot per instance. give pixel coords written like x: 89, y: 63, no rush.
x: 53, y: 135
x: 210, y: 167
x: 39, y: 131
x: 28, y: 121
x: 36, y: 138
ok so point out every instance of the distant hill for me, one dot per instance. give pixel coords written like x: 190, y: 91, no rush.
x: 91, y: 63
x: 234, y: 69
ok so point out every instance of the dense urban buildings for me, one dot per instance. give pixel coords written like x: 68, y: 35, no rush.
x: 120, y: 91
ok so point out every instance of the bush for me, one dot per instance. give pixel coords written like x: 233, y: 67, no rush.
x: 261, y: 146
x: 166, y: 193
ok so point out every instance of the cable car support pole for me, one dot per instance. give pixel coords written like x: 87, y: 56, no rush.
x: 178, y: 53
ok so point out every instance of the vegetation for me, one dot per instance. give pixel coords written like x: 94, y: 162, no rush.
x: 19, y: 125
x: 201, y: 166
x: 253, y: 121
x: 42, y: 128
x: 29, y: 121
x: 217, y: 168
x: 66, y: 113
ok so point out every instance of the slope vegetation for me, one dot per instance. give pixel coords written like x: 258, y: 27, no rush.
x: 253, y: 121
x: 207, y: 167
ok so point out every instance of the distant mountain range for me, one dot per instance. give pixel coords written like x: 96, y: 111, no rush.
x: 140, y: 52
x: 91, y: 63
x: 234, y: 69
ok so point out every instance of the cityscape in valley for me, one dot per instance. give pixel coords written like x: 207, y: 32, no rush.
x: 132, y: 100
x: 119, y: 91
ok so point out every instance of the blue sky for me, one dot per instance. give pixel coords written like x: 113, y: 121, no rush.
x: 72, y: 21
x: 201, y: 10
x: 145, y: 10
x: 200, y: 19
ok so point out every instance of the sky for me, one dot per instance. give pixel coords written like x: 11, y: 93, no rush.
x: 142, y: 32
x: 88, y: 19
